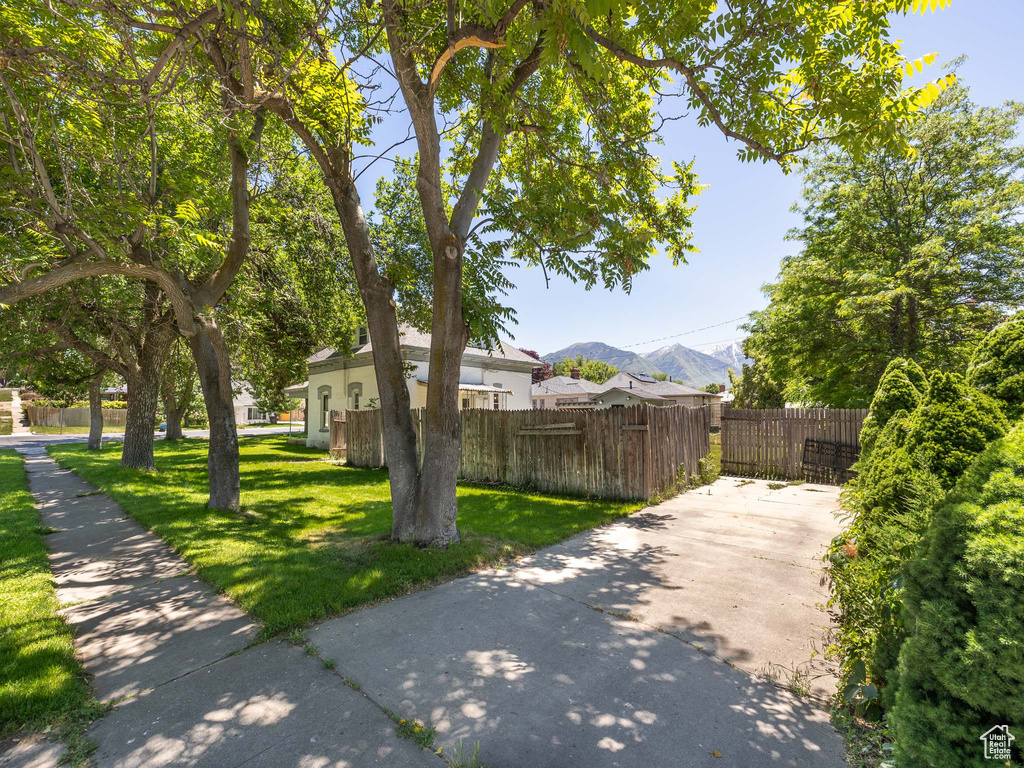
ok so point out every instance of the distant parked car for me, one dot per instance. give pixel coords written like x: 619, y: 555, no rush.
x: 162, y: 427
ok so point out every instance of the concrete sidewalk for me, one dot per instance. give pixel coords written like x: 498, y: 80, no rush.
x: 175, y: 657
x: 587, y: 653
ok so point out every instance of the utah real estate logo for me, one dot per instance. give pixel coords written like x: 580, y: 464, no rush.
x: 997, y: 742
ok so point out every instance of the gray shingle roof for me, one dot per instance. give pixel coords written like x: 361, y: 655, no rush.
x: 566, y: 385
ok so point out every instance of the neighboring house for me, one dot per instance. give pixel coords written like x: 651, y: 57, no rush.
x: 246, y: 411
x: 649, y: 389
x: 493, y: 379
x: 114, y: 393
x: 564, y: 392
x: 620, y: 390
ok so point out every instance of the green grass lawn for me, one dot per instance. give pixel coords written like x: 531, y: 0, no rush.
x: 6, y: 395
x: 314, y: 539
x: 40, y: 679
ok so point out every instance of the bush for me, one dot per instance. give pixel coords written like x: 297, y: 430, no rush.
x: 953, y: 425
x: 890, y: 504
x: 900, y: 388
x: 915, y: 460
x: 962, y: 669
x: 997, y: 368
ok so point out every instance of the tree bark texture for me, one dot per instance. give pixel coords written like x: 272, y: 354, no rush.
x: 437, y: 510
x: 140, y: 420
x: 95, y: 415
x: 174, y: 414
x: 143, y: 382
x: 211, y: 355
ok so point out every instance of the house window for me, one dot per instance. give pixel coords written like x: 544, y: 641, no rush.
x: 363, y: 336
x: 324, y: 396
x: 355, y: 394
x: 253, y: 414
x: 465, y: 403
x: 497, y: 399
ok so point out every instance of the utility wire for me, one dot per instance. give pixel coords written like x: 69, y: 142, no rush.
x: 684, y: 333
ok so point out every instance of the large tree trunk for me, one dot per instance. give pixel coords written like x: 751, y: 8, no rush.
x: 140, y: 421
x: 174, y: 417
x: 175, y: 403
x: 144, y: 396
x: 95, y: 415
x: 212, y: 361
x: 376, y: 292
x: 438, y: 507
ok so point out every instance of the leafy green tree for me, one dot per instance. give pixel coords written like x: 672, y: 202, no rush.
x: 997, y: 368
x: 902, y: 256
x: 89, y: 204
x: 596, y: 371
x: 713, y: 388
x: 753, y: 388
x: 535, y: 126
x: 961, y: 670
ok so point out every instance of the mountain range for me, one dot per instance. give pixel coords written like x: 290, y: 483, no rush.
x: 694, y: 368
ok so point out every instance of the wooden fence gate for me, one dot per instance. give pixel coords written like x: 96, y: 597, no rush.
x: 621, y: 453
x: 815, y: 444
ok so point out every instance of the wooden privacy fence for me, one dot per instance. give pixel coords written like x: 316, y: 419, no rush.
x: 73, y: 417
x: 817, y: 444
x: 621, y: 453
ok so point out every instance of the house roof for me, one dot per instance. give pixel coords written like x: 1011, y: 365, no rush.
x: 464, y: 387
x: 641, y: 393
x: 412, y: 338
x: 298, y: 390
x: 663, y: 388
x: 566, y: 385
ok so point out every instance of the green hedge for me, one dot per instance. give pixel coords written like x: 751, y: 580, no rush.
x: 915, y: 459
x: 961, y: 670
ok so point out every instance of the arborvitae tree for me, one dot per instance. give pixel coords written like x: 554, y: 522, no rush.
x: 900, y: 388
x: 953, y: 425
x: 997, y: 368
x: 913, y: 463
x: 962, y: 668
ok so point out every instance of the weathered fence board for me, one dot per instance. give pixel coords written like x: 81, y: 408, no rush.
x: 770, y: 442
x: 623, y: 453
x: 72, y: 417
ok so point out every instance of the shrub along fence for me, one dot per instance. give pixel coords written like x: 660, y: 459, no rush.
x: 621, y: 453
x: 72, y: 417
x: 817, y: 444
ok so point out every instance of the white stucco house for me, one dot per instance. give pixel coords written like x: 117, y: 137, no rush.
x: 497, y: 379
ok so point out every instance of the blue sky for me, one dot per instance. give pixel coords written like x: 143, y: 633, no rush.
x: 742, y: 218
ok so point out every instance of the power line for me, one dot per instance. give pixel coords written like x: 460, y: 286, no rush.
x: 720, y: 341
x: 684, y: 333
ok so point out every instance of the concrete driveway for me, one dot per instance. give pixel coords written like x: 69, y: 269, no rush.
x: 610, y: 649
